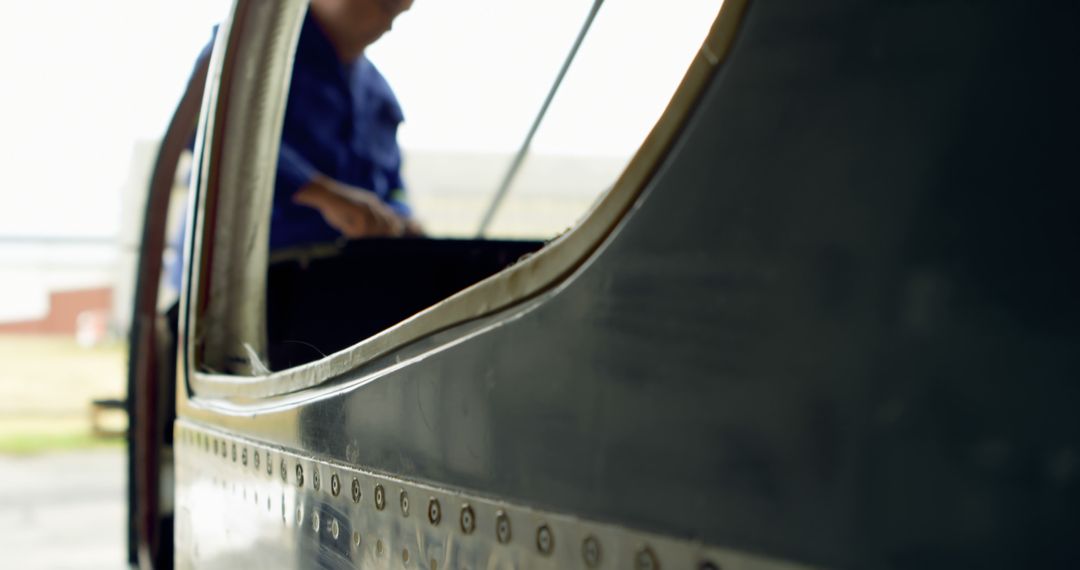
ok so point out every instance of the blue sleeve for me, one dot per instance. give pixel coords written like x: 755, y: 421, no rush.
x: 398, y: 198
x: 293, y: 172
x: 400, y: 208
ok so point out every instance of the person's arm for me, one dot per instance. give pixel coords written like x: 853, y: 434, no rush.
x: 398, y: 203
x: 354, y: 212
x: 402, y: 209
x: 294, y: 172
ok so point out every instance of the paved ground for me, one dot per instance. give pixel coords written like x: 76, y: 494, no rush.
x: 63, y: 510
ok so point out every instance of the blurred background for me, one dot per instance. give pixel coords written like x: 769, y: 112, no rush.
x: 88, y: 88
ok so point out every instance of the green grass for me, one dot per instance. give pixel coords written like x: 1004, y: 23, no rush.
x: 46, y: 386
x: 34, y: 443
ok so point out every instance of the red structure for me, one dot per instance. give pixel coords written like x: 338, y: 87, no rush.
x: 65, y: 308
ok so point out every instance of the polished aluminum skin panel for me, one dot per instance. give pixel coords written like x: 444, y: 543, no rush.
x: 242, y: 504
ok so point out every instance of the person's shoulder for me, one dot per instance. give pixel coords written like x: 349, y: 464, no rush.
x: 376, y: 84
x: 368, y: 74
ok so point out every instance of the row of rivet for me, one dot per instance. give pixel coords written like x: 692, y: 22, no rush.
x: 644, y: 559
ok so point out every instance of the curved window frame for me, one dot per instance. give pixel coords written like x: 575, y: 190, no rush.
x: 224, y: 331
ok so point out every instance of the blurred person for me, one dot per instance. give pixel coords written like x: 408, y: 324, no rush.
x: 339, y: 167
x: 339, y: 172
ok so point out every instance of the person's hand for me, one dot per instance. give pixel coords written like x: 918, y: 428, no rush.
x: 413, y: 228
x: 355, y: 212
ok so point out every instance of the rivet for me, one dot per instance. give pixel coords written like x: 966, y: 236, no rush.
x: 243, y: 457
x: 284, y: 471
x: 405, y: 555
x: 545, y: 541
x: 355, y: 490
x: 434, y: 511
x: 268, y: 504
x: 315, y: 479
x: 502, y: 527
x: 378, y: 547
x: 299, y: 475
x: 356, y: 538
x: 335, y: 485
x: 215, y: 447
x: 645, y: 559
x: 269, y: 465
x: 234, y: 453
x: 335, y: 530
x: 256, y: 459
x: 299, y: 516
x: 224, y: 450
x: 404, y: 503
x: 590, y: 551
x: 315, y: 521
x: 468, y: 519
x: 380, y: 498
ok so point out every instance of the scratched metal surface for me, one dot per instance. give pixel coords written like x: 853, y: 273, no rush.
x: 840, y: 327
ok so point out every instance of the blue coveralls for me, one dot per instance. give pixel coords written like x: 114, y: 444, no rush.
x: 341, y: 120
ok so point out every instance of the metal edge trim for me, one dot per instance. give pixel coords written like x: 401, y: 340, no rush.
x: 530, y: 277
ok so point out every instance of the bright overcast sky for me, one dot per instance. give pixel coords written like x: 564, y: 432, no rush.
x: 84, y: 80
x: 481, y: 90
